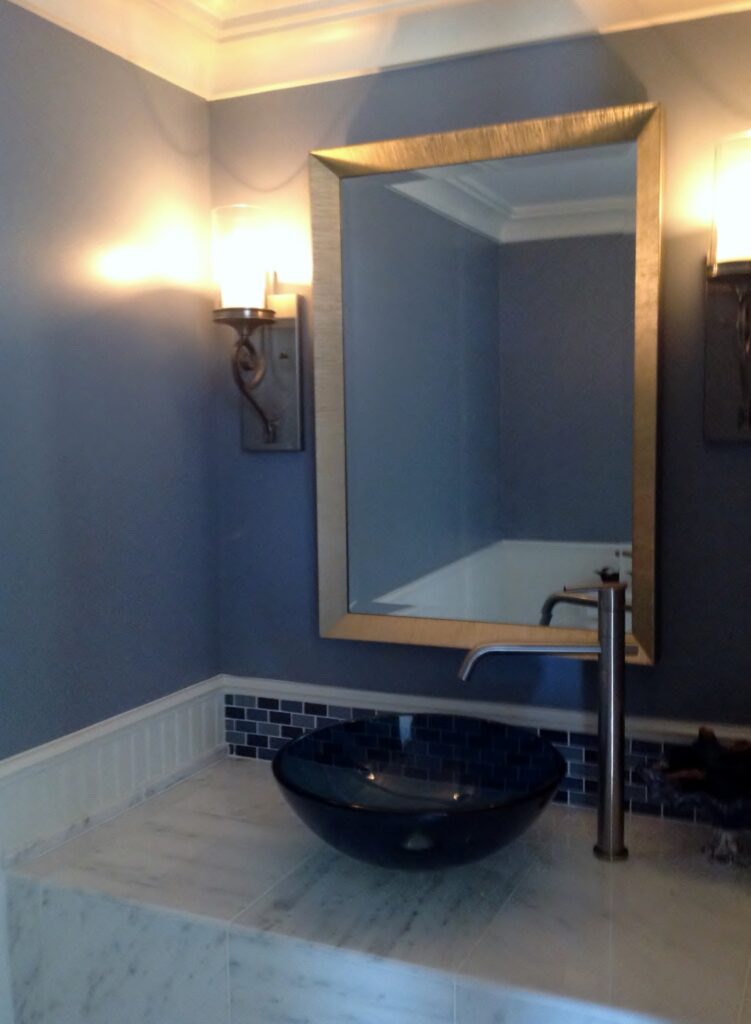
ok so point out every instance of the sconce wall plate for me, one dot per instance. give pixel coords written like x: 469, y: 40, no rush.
x: 278, y: 391
x: 727, y: 354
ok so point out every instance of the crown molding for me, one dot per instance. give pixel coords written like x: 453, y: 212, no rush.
x: 261, y: 45
x: 140, y: 31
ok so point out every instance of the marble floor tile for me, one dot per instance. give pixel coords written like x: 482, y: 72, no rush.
x: 562, y: 829
x: 562, y: 824
x: 107, y: 962
x: 24, y: 951
x: 681, y: 944
x: 644, y: 935
x: 241, y: 789
x: 277, y: 980
x: 433, y: 918
x: 209, y: 846
x: 554, y: 933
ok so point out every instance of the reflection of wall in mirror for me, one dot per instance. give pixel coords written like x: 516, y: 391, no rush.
x: 421, y: 373
x: 567, y: 366
x: 488, y: 402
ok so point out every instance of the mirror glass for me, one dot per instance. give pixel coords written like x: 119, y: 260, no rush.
x: 488, y: 326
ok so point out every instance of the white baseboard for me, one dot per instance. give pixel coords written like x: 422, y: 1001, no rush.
x: 53, y: 791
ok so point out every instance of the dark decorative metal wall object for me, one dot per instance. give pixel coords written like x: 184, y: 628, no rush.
x: 727, y: 366
x: 727, y: 373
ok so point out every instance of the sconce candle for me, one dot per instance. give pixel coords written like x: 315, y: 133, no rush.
x: 730, y: 251
x: 727, y: 384
x: 238, y: 256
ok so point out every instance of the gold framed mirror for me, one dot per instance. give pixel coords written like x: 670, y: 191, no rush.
x: 518, y: 263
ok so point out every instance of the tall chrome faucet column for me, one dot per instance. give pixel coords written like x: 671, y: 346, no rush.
x: 611, y: 631
x: 611, y: 651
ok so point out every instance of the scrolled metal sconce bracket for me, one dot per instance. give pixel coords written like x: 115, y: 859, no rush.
x: 248, y: 363
x: 268, y: 380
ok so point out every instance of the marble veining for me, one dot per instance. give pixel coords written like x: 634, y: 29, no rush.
x: 478, y: 1004
x: 432, y: 918
x: 211, y: 846
x: 277, y: 980
x: 213, y: 903
x: 24, y: 951
x: 107, y: 962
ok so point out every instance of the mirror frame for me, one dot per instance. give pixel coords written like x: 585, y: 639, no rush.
x: 641, y: 123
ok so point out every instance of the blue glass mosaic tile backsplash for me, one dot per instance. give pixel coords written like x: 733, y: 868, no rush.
x: 258, y: 726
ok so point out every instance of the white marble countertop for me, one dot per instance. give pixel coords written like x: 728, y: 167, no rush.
x: 662, y: 937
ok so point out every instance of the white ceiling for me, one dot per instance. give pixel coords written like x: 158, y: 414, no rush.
x: 219, y: 48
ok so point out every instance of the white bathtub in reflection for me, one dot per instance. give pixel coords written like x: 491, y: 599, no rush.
x: 508, y: 581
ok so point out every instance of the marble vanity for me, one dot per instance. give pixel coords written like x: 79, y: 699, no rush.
x: 211, y: 903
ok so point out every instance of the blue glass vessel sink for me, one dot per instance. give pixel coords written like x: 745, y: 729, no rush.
x: 418, y: 791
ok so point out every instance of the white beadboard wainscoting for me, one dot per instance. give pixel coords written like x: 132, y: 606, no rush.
x: 51, y: 792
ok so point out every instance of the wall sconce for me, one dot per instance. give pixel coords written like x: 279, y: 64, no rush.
x: 265, y: 360
x: 727, y: 367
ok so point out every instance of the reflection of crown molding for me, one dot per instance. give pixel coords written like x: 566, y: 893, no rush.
x: 258, y: 45
x: 457, y: 204
x: 493, y: 217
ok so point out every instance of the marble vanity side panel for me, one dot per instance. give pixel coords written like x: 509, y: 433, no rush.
x: 485, y: 1004
x: 276, y: 980
x: 24, y: 951
x: 108, y: 962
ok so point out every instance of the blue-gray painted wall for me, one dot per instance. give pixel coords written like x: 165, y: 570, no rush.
x: 110, y: 476
x: 566, y: 388
x: 108, y: 592
x: 421, y: 364
x: 700, y: 71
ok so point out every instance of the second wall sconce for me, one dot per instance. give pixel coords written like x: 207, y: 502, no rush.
x: 266, y: 356
x: 727, y: 376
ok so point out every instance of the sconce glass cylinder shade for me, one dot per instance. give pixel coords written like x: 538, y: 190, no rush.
x: 238, y: 254
x: 730, y: 248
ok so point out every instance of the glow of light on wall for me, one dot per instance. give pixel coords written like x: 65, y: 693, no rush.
x: 732, y: 201
x: 167, y: 253
x: 289, y: 252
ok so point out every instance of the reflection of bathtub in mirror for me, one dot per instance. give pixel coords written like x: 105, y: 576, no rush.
x: 509, y: 577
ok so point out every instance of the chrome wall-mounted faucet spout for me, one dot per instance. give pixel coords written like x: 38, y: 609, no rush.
x: 611, y: 651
